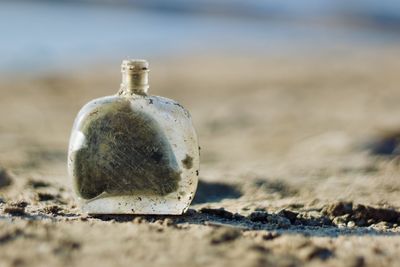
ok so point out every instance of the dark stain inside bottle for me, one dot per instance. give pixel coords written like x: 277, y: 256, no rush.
x: 187, y: 162
x: 126, y: 153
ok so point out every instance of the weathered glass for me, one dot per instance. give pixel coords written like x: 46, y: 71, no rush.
x: 132, y: 152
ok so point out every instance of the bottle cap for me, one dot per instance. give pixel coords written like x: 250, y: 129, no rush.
x: 134, y: 65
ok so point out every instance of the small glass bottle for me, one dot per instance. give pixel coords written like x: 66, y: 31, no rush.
x: 133, y: 153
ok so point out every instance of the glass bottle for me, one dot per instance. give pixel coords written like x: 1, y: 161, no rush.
x: 133, y: 153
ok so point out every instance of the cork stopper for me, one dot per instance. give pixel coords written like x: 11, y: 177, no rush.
x: 134, y: 77
x: 134, y: 65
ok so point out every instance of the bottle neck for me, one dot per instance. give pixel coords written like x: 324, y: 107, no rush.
x: 135, y: 83
x: 134, y: 77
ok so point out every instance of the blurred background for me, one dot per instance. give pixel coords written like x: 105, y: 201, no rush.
x: 43, y: 35
x: 291, y: 91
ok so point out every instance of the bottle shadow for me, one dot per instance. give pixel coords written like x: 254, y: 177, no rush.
x: 214, y: 192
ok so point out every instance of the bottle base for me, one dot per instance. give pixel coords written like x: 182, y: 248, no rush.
x: 134, y: 205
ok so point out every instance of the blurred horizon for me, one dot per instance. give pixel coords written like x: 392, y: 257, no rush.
x: 49, y: 35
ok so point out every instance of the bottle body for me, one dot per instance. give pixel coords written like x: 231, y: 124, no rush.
x: 135, y: 154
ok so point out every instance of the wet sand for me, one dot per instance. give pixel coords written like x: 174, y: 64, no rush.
x: 299, y: 165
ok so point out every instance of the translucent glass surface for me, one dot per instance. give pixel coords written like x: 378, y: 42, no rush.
x: 134, y: 154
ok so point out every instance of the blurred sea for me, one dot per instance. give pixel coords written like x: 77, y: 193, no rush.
x: 43, y: 35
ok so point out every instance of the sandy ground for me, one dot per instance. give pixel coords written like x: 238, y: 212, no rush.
x: 299, y: 165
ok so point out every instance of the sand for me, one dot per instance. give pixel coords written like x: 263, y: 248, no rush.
x: 299, y: 165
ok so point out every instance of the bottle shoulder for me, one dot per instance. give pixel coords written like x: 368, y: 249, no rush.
x: 150, y: 104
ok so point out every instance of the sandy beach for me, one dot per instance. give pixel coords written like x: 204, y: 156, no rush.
x: 299, y: 165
